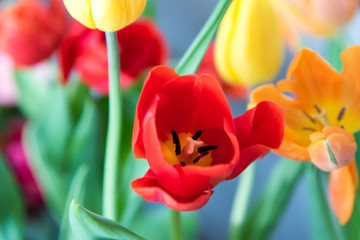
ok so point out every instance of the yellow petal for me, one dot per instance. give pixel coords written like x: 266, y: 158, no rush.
x: 249, y: 47
x: 81, y: 11
x: 342, y: 188
x: 113, y: 15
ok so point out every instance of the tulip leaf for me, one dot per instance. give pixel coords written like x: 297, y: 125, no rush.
x: 147, y: 223
x: 49, y: 180
x: 337, y: 45
x: 12, y: 212
x: 88, y: 225
x: 271, y: 205
x: 76, y: 192
x: 32, y: 94
x: 357, y: 154
x: 192, y: 58
x: 351, y: 229
x: 323, y: 223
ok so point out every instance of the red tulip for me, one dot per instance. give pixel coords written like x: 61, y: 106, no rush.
x: 185, y: 129
x: 141, y: 46
x: 30, y: 31
x: 14, y: 152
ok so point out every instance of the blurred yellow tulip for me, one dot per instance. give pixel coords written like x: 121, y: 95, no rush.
x: 322, y: 17
x: 105, y: 15
x: 249, y: 44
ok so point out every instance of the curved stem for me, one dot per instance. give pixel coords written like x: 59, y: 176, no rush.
x: 176, y: 229
x: 113, y: 141
x: 192, y: 58
x: 241, y: 201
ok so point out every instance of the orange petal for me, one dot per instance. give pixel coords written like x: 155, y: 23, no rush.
x: 341, y: 143
x: 315, y: 80
x: 342, y: 188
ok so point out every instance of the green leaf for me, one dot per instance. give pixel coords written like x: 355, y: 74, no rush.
x: 76, y: 192
x: 272, y: 202
x: 50, y: 180
x: 191, y: 60
x: 337, y: 45
x: 55, y: 126
x: 323, y: 223
x: 88, y: 225
x: 351, y: 230
x: 33, y: 94
x: 147, y: 223
x: 357, y: 154
x: 12, y: 211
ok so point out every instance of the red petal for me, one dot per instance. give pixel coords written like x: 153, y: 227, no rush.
x: 150, y: 189
x: 258, y: 130
x: 156, y: 78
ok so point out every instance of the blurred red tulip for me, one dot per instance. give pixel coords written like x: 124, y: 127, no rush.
x: 14, y: 153
x: 30, y: 31
x: 141, y: 46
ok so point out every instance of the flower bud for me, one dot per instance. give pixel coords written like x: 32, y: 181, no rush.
x: 109, y: 15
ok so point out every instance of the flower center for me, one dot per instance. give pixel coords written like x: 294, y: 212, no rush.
x: 187, y: 150
x: 320, y: 119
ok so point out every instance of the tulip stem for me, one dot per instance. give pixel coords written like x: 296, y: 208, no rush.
x: 241, y: 201
x: 176, y: 229
x: 192, y: 58
x: 113, y: 141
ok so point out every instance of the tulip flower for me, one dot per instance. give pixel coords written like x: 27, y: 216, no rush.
x: 322, y: 114
x: 30, y: 31
x: 322, y: 17
x: 141, y: 46
x: 12, y: 147
x: 110, y: 16
x: 249, y: 46
x: 184, y: 128
x: 207, y: 66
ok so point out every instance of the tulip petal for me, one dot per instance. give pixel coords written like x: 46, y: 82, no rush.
x: 112, y: 15
x: 258, y: 130
x: 333, y: 144
x: 81, y: 11
x: 342, y: 188
x: 156, y: 78
x: 150, y: 189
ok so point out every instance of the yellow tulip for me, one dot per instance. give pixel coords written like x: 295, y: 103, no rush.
x: 249, y: 45
x: 105, y: 15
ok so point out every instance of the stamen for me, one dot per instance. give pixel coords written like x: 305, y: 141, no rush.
x: 206, y: 148
x: 197, y: 135
x: 309, y: 117
x: 182, y: 164
x: 176, y: 141
x: 341, y: 114
x: 309, y: 129
x: 317, y: 108
x: 342, y: 126
x: 200, y: 157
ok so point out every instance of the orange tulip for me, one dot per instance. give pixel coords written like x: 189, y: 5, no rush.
x: 30, y: 31
x: 322, y: 113
x: 321, y: 17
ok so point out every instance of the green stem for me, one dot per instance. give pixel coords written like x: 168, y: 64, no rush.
x: 192, y: 58
x: 176, y: 229
x: 113, y: 141
x: 241, y: 201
